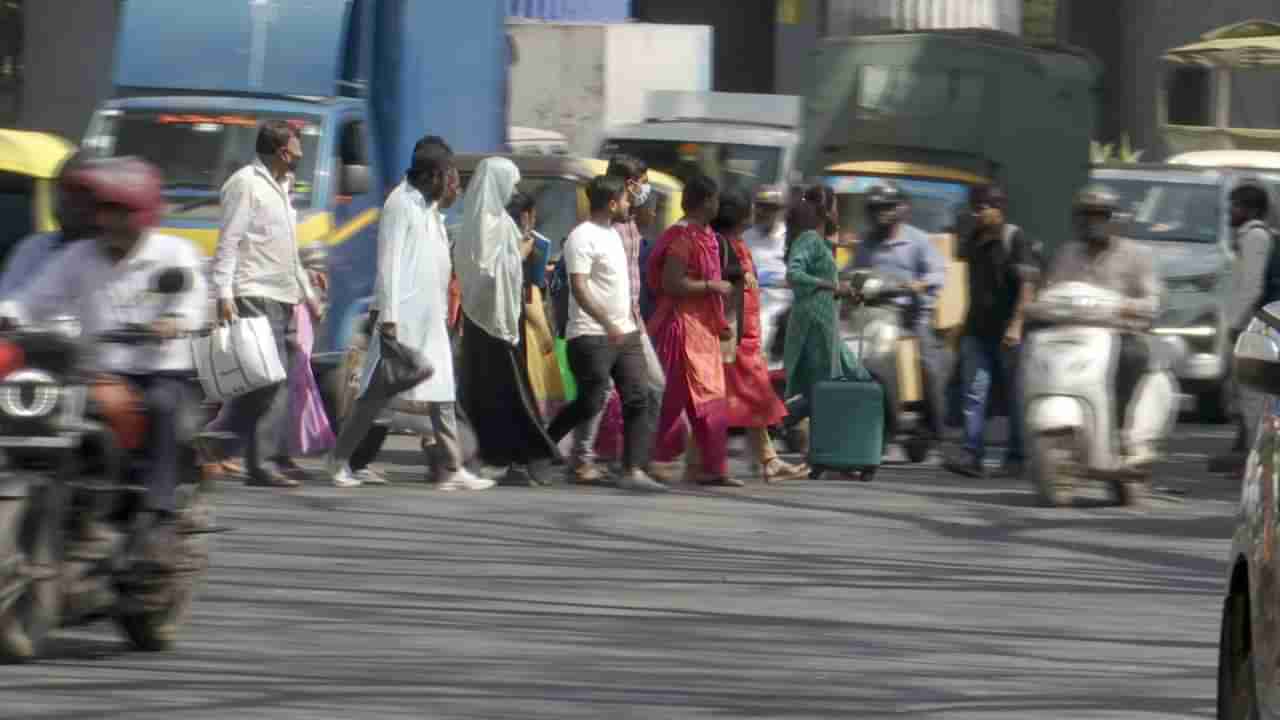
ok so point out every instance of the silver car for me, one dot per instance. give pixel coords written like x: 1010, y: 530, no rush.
x: 1249, y: 645
x: 1182, y: 212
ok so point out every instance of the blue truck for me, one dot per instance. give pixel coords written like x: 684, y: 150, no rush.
x: 362, y: 80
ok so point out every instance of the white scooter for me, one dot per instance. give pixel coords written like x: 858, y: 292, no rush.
x: 1069, y: 367
x: 871, y: 329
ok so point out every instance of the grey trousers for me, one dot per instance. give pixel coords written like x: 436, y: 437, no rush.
x: 260, y: 418
x: 367, y: 408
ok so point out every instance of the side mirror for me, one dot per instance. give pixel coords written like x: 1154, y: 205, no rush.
x: 1257, y: 353
x: 355, y: 180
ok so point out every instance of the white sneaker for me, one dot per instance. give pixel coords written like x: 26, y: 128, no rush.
x: 344, y: 479
x: 369, y: 476
x: 465, y: 480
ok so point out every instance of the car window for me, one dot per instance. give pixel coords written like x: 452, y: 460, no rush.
x: 1159, y: 210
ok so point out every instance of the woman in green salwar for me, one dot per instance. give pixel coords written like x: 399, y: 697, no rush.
x: 811, y: 326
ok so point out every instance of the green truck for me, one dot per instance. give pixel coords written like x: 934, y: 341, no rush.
x: 951, y: 104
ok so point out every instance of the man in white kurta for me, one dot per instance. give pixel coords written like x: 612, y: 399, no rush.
x: 411, y: 292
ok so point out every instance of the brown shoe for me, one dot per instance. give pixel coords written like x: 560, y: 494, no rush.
x: 665, y: 473
x: 586, y: 474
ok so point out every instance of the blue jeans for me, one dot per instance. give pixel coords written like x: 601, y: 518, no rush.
x: 983, y: 360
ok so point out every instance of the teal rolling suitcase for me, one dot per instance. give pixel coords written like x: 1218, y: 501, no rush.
x: 846, y: 422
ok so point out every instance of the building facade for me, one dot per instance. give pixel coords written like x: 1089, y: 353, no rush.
x: 1129, y: 36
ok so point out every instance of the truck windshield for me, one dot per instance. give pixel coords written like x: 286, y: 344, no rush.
x: 734, y: 167
x: 933, y: 206
x: 197, y: 152
x: 1168, y: 211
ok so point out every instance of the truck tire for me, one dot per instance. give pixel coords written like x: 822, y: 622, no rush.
x: 1236, y: 681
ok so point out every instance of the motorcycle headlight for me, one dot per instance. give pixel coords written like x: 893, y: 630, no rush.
x: 28, y: 394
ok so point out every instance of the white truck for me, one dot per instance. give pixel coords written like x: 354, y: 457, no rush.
x: 579, y: 78
x: 742, y: 140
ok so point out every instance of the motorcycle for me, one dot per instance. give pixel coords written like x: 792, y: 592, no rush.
x: 872, y: 328
x: 1069, y: 367
x: 71, y: 510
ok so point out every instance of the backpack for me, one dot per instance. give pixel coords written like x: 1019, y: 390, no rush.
x: 1271, y: 276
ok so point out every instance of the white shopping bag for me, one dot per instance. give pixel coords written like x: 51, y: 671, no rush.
x: 656, y: 375
x: 237, y: 358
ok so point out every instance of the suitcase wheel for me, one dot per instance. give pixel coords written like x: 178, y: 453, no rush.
x: 815, y: 472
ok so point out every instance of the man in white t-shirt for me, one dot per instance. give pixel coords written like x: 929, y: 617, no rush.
x: 604, y: 340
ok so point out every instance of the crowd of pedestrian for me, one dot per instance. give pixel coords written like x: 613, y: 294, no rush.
x: 666, y: 339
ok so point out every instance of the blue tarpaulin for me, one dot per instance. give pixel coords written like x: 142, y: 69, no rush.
x: 571, y: 10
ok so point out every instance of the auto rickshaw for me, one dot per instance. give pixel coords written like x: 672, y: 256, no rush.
x: 29, y: 164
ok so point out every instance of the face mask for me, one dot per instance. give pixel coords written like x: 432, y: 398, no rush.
x: 642, y: 195
x: 1096, y: 232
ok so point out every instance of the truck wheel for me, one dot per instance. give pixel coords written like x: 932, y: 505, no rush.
x: 1236, y: 681
x: 1048, y: 458
x: 27, y: 621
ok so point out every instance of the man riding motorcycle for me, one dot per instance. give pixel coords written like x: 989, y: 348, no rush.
x: 106, y: 282
x: 898, y: 249
x: 1098, y: 258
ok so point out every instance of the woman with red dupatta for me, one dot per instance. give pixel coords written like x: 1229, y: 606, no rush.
x: 687, y: 327
x: 752, y: 402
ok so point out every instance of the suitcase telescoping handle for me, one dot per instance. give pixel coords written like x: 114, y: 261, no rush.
x: 836, y: 340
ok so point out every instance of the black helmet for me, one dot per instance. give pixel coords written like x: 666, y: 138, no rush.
x: 1097, y: 198
x: 884, y: 195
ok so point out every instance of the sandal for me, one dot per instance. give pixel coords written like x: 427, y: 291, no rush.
x: 777, y: 470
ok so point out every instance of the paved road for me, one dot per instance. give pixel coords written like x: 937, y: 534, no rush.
x: 919, y: 595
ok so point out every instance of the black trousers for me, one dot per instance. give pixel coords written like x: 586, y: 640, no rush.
x: 594, y: 361
x: 166, y: 399
x: 260, y: 417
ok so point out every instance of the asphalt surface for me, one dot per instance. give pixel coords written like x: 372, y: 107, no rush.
x: 919, y: 595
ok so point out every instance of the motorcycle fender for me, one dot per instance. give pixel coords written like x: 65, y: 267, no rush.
x: 1055, y: 413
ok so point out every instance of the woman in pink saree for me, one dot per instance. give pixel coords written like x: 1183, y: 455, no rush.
x: 687, y: 327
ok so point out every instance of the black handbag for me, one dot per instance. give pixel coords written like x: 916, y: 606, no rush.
x: 400, y: 367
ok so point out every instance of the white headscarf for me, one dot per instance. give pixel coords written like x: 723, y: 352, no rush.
x: 487, y: 257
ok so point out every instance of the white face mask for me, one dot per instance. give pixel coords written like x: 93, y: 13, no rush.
x: 642, y: 195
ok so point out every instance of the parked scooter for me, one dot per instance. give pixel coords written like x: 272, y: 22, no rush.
x: 71, y: 511
x: 872, y: 329
x: 1069, y: 368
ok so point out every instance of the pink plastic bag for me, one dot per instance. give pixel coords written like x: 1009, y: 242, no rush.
x: 609, y: 439
x: 309, y: 430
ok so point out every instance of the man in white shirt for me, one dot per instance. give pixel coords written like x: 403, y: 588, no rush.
x: 767, y: 241
x: 412, y: 296
x: 108, y: 283
x: 604, y: 339
x: 257, y: 272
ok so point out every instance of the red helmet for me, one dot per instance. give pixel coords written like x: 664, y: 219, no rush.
x: 126, y: 181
